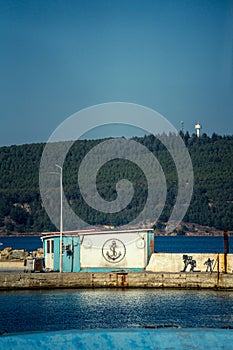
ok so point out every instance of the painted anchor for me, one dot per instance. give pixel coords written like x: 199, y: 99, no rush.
x: 115, y: 255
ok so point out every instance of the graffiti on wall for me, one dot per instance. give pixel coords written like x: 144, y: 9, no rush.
x: 209, y: 265
x: 190, y: 264
x: 189, y: 261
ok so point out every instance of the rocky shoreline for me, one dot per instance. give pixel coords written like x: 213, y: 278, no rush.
x: 9, y: 254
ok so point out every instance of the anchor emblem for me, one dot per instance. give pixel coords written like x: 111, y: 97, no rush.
x: 115, y: 255
x: 113, y: 250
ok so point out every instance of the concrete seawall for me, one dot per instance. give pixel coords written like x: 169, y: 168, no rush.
x: 199, y: 262
x: 14, y: 281
x: 16, y: 264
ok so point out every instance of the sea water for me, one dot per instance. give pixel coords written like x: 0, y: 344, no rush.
x: 167, y: 244
x: 113, y: 308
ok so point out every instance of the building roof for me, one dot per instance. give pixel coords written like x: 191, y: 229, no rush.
x: 91, y: 232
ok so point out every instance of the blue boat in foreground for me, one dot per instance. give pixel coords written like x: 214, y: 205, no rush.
x: 138, y: 338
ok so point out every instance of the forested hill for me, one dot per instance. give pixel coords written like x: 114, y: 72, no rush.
x: 21, y: 209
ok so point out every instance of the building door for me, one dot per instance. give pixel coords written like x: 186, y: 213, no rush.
x: 49, y: 263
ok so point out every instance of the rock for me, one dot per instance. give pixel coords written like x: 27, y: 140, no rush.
x: 14, y: 254
x: 5, y: 253
x: 39, y: 253
x: 9, y: 254
x: 20, y: 254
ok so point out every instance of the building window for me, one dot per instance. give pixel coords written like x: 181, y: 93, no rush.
x: 52, y: 246
x: 48, y: 246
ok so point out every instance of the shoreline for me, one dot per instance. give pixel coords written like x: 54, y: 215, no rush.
x: 230, y: 234
x: 20, y: 235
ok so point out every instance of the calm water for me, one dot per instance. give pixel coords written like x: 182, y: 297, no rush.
x: 27, y: 243
x: 191, y: 244
x: 175, y: 244
x: 75, y: 309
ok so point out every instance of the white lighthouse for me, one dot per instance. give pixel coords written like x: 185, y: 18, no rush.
x: 198, y: 129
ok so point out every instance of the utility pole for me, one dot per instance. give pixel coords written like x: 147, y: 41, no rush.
x: 61, y: 218
x: 226, y: 248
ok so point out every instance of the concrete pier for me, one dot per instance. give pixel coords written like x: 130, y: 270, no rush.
x: 202, y: 280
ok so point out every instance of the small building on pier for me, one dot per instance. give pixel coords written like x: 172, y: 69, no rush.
x: 87, y: 251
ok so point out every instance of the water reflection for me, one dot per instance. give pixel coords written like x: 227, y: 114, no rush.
x: 113, y: 308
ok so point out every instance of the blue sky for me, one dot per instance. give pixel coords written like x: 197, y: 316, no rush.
x: 58, y: 57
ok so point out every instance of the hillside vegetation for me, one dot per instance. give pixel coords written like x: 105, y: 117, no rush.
x: 21, y: 209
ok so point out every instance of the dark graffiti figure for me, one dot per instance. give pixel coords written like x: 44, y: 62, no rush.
x: 188, y: 260
x: 209, y: 265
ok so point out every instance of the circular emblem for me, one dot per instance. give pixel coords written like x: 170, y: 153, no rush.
x: 140, y: 243
x: 87, y: 243
x: 113, y: 250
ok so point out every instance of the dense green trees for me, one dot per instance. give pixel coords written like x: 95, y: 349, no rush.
x: 21, y: 209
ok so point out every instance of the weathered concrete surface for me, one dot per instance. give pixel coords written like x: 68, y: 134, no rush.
x: 230, y: 263
x: 150, y: 339
x: 13, y: 264
x: 121, y: 279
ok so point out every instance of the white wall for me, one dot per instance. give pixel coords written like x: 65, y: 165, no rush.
x: 171, y: 262
x: 97, y: 249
